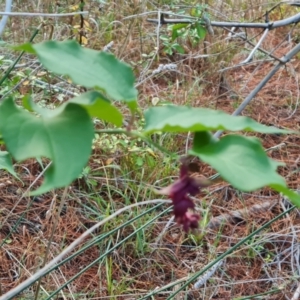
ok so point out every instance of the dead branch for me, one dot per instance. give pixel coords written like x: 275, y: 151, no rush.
x: 269, y: 25
x: 240, y: 214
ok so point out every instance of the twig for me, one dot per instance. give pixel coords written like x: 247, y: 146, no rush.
x: 8, y: 71
x: 21, y: 265
x: 4, y: 19
x: 240, y: 214
x: 21, y: 14
x: 202, y: 280
x: 81, y: 30
x: 56, y: 215
x: 160, y: 236
x: 211, y: 264
x: 297, y: 293
x: 23, y: 196
x: 293, y: 3
x: 154, y: 12
x: 108, y: 47
x: 285, y: 59
x: 242, y: 36
x: 249, y: 58
x: 20, y: 82
x: 54, y: 87
x: 270, y: 26
x: 163, y: 67
x: 276, y: 147
x: 28, y: 282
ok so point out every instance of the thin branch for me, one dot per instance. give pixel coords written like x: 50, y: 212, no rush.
x: 285, y: 59
x: 22, y: 197
x: 211, y: 264
x: 21, y: 14
x: 160, y: 236
x: 250, y: 57
x: 240, y: 214
x: 270, y: 26
x: 297, y: 293
x: 4, y: 19
x: 28, y: 282
x: 244, y: 38
x: 203, y: 279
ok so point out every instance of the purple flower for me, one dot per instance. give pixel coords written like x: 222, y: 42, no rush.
x: 179, y: 192
x: 189, y: 221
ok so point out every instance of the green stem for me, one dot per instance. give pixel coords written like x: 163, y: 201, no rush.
x: 8, y: 71
x: 102, y: 237
x: 274, y: 291
x: 106, y: 253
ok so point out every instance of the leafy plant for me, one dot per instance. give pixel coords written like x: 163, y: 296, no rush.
x: 182, y: 33
x: 65, y: 134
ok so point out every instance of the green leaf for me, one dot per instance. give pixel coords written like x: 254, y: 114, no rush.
x: 196, y: 11
x: 64, y: 136
x: 178, y: 48
x: 87, y: 67
x: 6, y: 163
x: 293, y: 196
x: 176, y: 32
x: 95, y: 103
x: 173, y: 118
x: 242, y: 162
x: 174, y: 35
x: 179, y: 26
x: 27, y: 102
x: 164, y: 38
x: 99, y: 106
x: 201, y: 31
x: 201, y: 139
x: 168, y: 50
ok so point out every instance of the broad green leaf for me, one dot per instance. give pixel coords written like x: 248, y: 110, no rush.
x: 6, y: 163
x: 168, y: 50
x: 99, y: 106
x: 65, y: 138
x: 31, y: 106
x: 293, y: 196
x: 27, y: 102
x: 201, y: 31
x: 178, y: 48
x: 179, y: 26
x: 242, y: 162
x: 96, y: 104
x: 202, y: 138
x: 164, y: 38
x: 184, y: 119
x: 87, y: 67
x: 176, y: 32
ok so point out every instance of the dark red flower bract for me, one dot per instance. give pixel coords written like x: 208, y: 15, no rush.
x: 179, y: 192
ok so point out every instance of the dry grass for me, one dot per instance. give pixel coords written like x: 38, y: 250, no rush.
x: 268, y: 262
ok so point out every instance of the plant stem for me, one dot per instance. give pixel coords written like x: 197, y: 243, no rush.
x: 28, y: 282
x: 8, y: 71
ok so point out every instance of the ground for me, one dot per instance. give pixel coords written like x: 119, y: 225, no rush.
x: 123, y: 171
